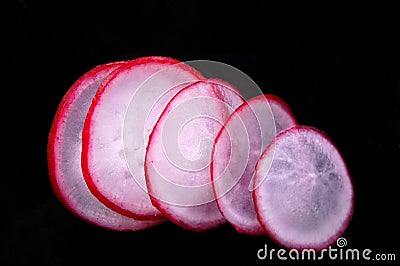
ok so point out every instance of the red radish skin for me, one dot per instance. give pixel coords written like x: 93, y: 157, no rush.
x: 64, y: 159
x: 178, y: 155
x: 237, y: 148
x: 105, y: 154
x: 305, y: 199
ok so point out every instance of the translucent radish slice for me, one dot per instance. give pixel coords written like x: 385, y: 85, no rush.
x: 305, y: 198
x: 124, y: 109
x: 64, y: 156
x: 237, y: 149
x: 178, y: 155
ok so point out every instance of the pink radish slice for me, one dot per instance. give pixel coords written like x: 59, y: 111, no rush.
x: 237, y: 149
x: 64, y: 156
x: 305, y: 198
x: 178, y: 154
x: 115, y: 133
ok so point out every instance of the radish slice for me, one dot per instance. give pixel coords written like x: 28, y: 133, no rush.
x: 64, y: 156
x: 305, y: 197
x: 237, y: 149
x: 178, y: 155
x: 115, y: 131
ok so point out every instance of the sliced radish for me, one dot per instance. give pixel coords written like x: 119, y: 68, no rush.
x: 237, y: 149
x: 305, y: 195
x: 64, y: 155
x: 178, y: 155
x: 117, y: 126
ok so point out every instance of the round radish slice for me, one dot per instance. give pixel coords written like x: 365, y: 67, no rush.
x: 178, y: 155
x: 305, y: 198
x: 64, y: 156
x: 123, y: 110
x: 237, y: 149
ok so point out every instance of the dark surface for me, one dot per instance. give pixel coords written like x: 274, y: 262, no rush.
x: 336, y: 66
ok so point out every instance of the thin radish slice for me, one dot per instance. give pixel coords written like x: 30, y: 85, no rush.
x: 305, y: 198
x: 237, y: 149
x: 178, y: 154
x: 124, y: 109
x: 64, y: 156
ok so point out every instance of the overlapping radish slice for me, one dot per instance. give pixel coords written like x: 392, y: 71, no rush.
x: 116, y: 130
x: 64, y: 155
x: 237, y: 149
x: 179, y: 153
x: 305, y: 198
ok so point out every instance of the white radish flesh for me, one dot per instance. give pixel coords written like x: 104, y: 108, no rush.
x: 178, y: 155
x: 237, y: 149
x: 305, y: 196
x: 117, y: 126
x: 64, y: 156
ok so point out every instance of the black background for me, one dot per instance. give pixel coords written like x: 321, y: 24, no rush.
x: 337, y: 66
